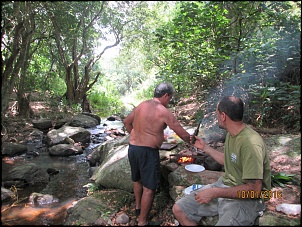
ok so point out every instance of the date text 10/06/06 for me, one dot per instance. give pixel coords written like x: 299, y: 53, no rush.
x: 254, y: 194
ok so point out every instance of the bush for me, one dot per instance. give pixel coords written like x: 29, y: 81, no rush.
x: 105, y: 105
x: 276, y: 105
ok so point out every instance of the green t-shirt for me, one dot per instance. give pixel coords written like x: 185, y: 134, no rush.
x: 246, y: 157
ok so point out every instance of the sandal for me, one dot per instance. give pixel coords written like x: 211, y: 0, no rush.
x: 137, y: 212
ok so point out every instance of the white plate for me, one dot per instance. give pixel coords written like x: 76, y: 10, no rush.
x: 194, y: 168
x: 189, y: 189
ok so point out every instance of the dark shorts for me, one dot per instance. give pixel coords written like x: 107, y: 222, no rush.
x: 145, y: 166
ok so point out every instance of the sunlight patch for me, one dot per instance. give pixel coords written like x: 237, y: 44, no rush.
x: 284, y: 140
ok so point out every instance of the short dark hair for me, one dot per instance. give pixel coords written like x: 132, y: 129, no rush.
x: 163, y: 88
x: 232, y: 106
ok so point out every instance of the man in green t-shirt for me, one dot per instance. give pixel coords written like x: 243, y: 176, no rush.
x: 238, y: 196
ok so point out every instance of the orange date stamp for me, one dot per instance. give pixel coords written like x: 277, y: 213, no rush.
x: 255, y: 194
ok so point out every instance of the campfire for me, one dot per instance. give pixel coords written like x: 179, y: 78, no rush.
x: 185, y: 160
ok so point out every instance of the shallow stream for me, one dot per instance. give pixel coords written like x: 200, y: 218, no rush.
x: 67, y: 185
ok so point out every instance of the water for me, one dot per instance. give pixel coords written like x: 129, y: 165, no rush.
x: 67, y: 185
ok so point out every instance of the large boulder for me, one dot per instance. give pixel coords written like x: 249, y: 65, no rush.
x: 213, y: 135
x: 88, y: 211
x: 99, y: 153
x: 93, y: 116
x: 84, y: 121
x: 42, y: 124
x: 114, y: 172
x: 13, y: 149
x: 98, y: 209
x: 58, y: 136
x: 29, y: 173
x: 180, y: 178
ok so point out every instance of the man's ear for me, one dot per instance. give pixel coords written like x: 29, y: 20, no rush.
x: 223, y: 115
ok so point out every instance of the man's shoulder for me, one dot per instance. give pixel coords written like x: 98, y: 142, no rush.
x: 251, y: 130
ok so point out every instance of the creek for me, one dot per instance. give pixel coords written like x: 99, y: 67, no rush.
x: 67, y: 185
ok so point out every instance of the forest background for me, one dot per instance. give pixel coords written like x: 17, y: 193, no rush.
x: 111, y: 54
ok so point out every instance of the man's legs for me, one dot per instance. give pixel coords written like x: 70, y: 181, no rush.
x: 138, y: 191
x: 239, y: 212
x: 181, y: 217
x: 146, y: 203
x: 187, y: 206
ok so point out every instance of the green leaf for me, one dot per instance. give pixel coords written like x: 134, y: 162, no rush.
x: 281, y: 184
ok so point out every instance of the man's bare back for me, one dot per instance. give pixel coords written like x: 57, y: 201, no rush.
x: 149, y: 119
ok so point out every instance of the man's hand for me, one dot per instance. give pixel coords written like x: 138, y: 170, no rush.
x: 205, y: 196
x: 199, y: 143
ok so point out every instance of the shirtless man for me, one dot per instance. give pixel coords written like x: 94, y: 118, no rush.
x: 146, y: 124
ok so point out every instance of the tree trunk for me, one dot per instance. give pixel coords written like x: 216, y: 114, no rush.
x: 23, y: 105
x: 86, y: 107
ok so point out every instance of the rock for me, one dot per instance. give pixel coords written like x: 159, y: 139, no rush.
x: 93, y: 116
x: 12, y: 149
x: 65, y: 150
x: 185, y: 178
x: 29, y: 173
x: 52, y: 171
x: 6, y: 193
x: 42, y: 199
x: 290, y: 209
x: 213, y: 135
x: 122, y: 219
x: 42, y: 124
x: 181, y: 178
x: 68, y: 140
x: 14, y: 183
x: 85, y: 210
x: 91, y: 170
x: 99, y: 153
x: 77, y: 134
x: 111, y: 118
x: 84, y: 121
x: 98, y: 209
x: 114, y: 171
x: 211, y: 164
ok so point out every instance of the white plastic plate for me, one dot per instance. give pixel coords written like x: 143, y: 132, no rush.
x: 194, y: 168
x: 191, y: 188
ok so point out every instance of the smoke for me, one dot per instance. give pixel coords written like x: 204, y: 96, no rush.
x: 239, y: 85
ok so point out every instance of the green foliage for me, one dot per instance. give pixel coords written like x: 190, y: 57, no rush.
x: 199, y: 116
x: 91, y: 188
x: 57, y: 85
x: 234, y: 37
x: 282, y: 178
x: 105, y: 100
x: 276, y: 105
x: 190, y: 56
x: 106, y: 214
x: 145, y: 93
x: 76, y: 107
